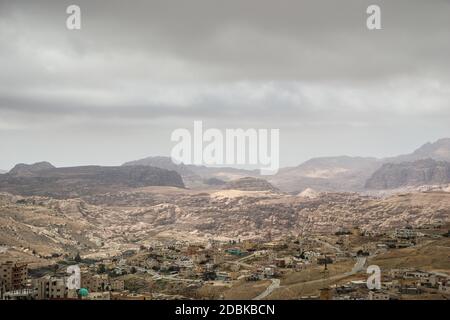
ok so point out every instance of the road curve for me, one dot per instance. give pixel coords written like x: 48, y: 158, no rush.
x: 274, y: 285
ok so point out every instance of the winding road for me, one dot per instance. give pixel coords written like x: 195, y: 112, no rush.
x: 274, y: 285
x: 358, y: 266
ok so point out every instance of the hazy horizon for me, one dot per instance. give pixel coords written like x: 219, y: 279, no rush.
x: 218, y: 166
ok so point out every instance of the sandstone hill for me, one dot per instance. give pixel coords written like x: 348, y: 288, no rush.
x: 250, y: 184
x: 327, y: 174
x: 417, y: 173
x: 99, y: 224
x: 350, y: 174
x: 438, y: 150
x: 25, y: 170
x: 44, y: 179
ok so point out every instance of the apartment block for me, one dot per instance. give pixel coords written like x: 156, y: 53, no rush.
x: 14, y: 275
x: 48, y: 287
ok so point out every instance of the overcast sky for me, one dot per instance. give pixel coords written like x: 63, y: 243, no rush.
x: 116, y: 89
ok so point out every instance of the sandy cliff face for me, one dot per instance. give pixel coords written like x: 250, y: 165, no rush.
x: 438, y: 150
x: 417, y: 173
x: 352, y: 173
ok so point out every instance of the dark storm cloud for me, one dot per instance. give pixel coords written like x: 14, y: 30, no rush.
x: 258, y: 39
x: 298, y: 65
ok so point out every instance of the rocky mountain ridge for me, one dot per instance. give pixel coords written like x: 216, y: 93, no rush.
x: 46, y: 180
x: 416, y: 173
x: 342, y: 173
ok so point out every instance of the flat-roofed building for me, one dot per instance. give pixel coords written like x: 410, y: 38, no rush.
x: 378, y: 295
x: 95, y: 283
x: 20, y: 294
x: 48, y: 287
x: 14, y: 275
x: 117, y: 285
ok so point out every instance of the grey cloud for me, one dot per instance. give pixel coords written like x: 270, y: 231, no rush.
x: 144, y: 68
x: 238, y: 40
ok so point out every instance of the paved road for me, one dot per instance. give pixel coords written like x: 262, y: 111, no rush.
x: 274, y: 285
x: 247, y: 257
x: 357, y: 267
x: 241, y: 261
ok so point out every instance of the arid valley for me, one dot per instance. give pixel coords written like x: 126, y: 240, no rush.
x: 156, y: 230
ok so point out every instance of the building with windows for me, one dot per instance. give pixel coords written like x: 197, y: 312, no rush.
x: 13, y: 275
x: 20, y: 294
x: 48, y: 287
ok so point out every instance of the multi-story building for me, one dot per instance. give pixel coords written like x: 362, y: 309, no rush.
x: 117, y: 285
x: 14, y: 275
x: 2, y: 288
x: 49, y: 287
x: 100, y: 283
x: 20, y: 294
x: 444, y: 287
x: 95, y: 283
x: 405, y: 233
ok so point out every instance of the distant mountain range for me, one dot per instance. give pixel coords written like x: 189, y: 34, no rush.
x: 44, y: 179
x: 427, y: 165
x: 439, y: 150
x: 327, y: 174
x: 195, y: 176
x: 342, y: 173
x: 355, y: 173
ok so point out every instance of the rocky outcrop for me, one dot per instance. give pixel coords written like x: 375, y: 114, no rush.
x: 250, y: 184
x: 438, y: 150
x: 350, y: 173
x: 214, y: 182
x: 25, y: 170
x: 163, y: 163
x: 309, y: 193
x: 417, y: 173
x: 78, y: 181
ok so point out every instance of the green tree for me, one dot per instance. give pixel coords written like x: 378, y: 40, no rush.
x: 101, y: 268
x: 77, y: 258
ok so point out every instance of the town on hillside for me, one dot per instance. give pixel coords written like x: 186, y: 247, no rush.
x: 317, y: 266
